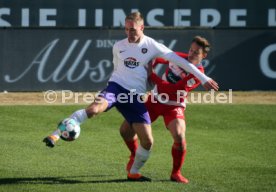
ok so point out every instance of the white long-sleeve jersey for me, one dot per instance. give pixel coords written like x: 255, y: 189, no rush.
x: 131, y: 59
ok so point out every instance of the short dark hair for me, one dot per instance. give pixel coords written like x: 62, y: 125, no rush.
x: 202, y: 42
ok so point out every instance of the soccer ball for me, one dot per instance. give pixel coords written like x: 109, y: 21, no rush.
x: 69, y: 129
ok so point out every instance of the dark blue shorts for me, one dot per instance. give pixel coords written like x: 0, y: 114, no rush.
x: 129, y: 104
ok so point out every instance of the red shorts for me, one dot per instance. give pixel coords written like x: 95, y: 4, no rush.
x: 169, y: 112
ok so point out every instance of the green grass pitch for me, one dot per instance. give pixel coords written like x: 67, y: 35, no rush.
x: 230, y: 148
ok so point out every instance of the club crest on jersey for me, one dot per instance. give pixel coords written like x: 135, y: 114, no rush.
x: 131, y: 62
x: 144, y: 50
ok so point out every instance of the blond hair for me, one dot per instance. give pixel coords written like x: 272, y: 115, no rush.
x: 136, y: 17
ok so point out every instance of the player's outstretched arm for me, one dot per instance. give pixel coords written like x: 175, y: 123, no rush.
x: 189, y: 67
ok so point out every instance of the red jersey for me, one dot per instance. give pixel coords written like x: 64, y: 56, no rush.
x: 173, y: 84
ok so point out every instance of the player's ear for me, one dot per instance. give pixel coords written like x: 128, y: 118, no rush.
x: 142, y: 27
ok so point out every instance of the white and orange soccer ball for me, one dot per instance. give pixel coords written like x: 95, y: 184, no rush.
x: 69, y: 129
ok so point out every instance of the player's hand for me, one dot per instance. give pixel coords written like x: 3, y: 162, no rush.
x: 211, y: 84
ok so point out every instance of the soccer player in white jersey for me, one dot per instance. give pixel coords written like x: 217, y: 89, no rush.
x: 129, y: 78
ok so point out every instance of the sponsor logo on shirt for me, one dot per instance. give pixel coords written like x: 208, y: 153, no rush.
x: 131, y: 62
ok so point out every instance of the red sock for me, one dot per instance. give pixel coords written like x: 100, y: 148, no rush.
x: 132, y: 146
x: 178, y: 154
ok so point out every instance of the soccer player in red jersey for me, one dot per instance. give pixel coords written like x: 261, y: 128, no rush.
x: 175, y: 83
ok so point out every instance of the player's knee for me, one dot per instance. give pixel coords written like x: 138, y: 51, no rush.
x: 180, y: 144
x: 92, y: 111
x: 179, y: 138
x: 147, y: 143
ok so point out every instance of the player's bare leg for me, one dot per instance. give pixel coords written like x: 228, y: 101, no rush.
x: 177, y: 129
x: 144, y: 133
x: 98, y: 106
